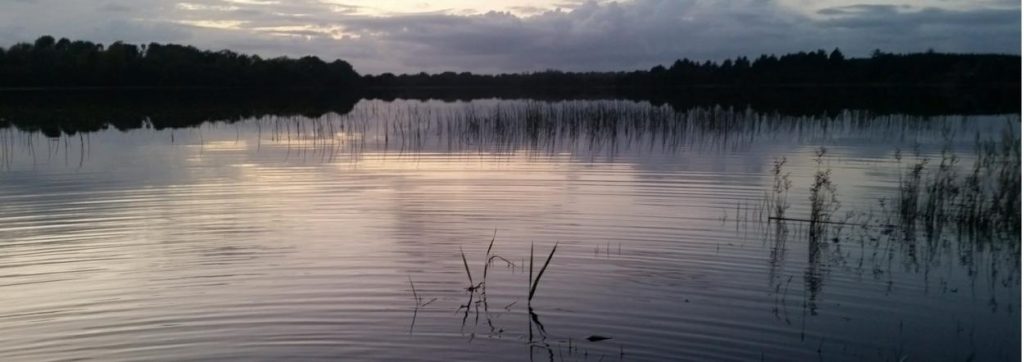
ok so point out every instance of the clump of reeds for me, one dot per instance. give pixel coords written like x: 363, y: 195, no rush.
x: 985, y: 200
x: 909, y: 192
x: 489, y: 259
x: 823, y: 199
x: 777, y: 202
x: 1006, y: 164
x: 590, y: 126
x: 480, y: 289
x: 534, y: 281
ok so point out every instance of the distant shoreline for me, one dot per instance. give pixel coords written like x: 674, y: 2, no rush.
x: 527, y: 89
x: 49, y: 105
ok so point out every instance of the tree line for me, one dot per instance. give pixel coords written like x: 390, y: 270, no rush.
x: 49, y: 62
x: 818, y: 68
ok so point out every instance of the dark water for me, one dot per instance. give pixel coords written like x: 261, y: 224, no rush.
x: 263, y: 236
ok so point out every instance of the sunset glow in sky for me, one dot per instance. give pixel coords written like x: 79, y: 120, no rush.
x: 523, y: 35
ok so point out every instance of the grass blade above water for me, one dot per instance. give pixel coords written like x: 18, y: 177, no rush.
x: 533, y: 287
x: 466, y: 265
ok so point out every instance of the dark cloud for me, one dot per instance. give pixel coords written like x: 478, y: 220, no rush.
x: 585, y: 35
x: 981, y: 30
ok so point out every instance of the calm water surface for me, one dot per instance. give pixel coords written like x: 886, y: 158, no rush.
x: 275, y: 237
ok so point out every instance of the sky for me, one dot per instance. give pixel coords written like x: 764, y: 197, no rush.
x: 403, y: 36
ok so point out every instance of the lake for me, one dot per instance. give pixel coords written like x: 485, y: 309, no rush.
x: 346, y: 232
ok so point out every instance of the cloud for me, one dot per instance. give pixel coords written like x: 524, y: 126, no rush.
x: 861, y: 9
x: 900, y: 28
x: 115, y: 8
x: 591, y: 36
x: 573, y: 35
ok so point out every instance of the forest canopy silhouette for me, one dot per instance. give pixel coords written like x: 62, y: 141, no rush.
x: 63, y: 63
x: 49, y: 62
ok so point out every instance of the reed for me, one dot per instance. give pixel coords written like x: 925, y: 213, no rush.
x: 487, y: 256
x: 472, y: 286
x: 529, y: 280
x: 536, y: 282
x: 416, y: 296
